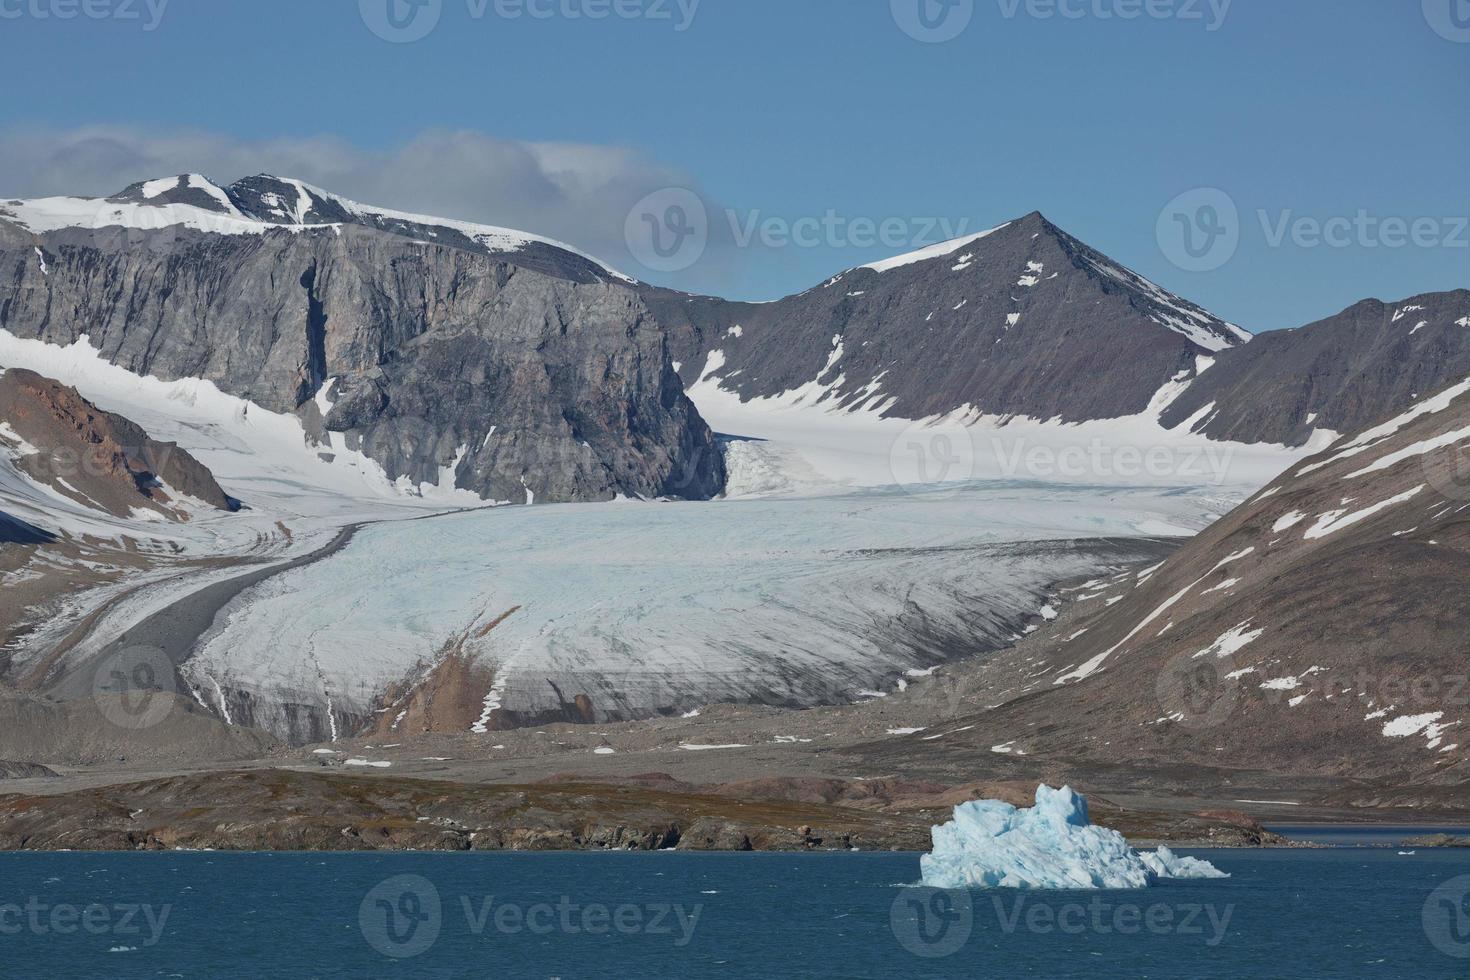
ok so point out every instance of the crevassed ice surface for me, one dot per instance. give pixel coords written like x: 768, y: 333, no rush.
x: 648, y: 607
x: 991, y: 844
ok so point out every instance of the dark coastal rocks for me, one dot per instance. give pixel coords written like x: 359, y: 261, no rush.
x: 1437, y: 840
x: 287, y: 810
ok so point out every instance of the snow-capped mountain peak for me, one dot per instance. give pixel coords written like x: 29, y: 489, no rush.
x: 285, y: 200
x: 1020, y: 320
x: 264, y: 203
x: 1202, y: 328
x: 191, y: 190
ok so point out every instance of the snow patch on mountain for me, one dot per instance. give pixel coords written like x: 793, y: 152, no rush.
x: 46, y: 214
x: 1232, y: 642
x: 1366, y: 440
x: 1335, y: 520
x: 931, y: 252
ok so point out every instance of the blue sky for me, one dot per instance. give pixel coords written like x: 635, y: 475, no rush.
x: 788, y: 109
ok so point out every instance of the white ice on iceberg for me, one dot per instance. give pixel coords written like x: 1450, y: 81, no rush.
x: 991, y: 844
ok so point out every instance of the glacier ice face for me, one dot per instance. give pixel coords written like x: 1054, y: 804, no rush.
x: 991, y: 844
x: 648, y: 608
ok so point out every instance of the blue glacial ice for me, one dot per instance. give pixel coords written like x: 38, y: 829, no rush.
x: 990, y: 844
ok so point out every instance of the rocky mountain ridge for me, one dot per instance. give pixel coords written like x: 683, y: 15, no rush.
x: 1021, y: 320
x: 1343, y: 373
x: 444, y: 363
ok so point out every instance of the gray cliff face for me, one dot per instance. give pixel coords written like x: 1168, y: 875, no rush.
x: 1344, y: 373
x: 431, y: 355
x: 1025, y: 321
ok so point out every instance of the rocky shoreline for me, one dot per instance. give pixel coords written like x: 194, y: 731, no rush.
x: 289, y: 810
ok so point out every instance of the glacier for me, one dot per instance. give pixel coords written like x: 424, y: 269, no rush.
x: 1053, y: 845
x: 836, y: 566
x: 650, y: 608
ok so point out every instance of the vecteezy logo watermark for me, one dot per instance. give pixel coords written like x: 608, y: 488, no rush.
x: 41, y: 918
x: 1199, y: 230
x: 933, y: 923
x: 1198, y: 693
x: 1448, y: 471
x: 134, y: 687
x: 933, y: 21
x: 668, y: 230
x: 405, y: 21
x: 148, y: 13
x: 926, y: 454
x: 401, y: 21
x: 403, y: 917
x: 1449, y: 18
x: 1446, y: 917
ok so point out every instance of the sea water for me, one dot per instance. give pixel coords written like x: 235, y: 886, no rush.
x: 1340, y: 912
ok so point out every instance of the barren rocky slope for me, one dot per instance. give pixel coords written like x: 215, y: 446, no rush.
x: 1317, y: 630
x: 97, y: 458
x: 1343, y: 373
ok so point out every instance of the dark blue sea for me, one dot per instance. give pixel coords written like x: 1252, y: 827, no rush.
x: 1341, y: 912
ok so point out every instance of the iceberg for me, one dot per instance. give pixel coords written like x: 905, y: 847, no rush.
x: 1164, y: 863
x: 991, y: 844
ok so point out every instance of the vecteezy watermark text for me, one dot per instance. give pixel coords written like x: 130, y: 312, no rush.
x: 927, y: 454
x: 1202, y: 229
x: 933, y: 923
x: 404, y: 916
x: 1211, y: 13
x: 42, y: 918
x: 148, y: 13
x: 405, y: 21
x: 938, y: 21
x: 1102, y: 460
x: 670, y: 230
